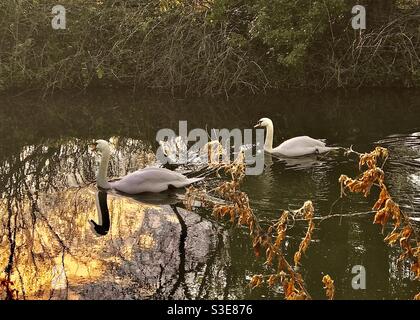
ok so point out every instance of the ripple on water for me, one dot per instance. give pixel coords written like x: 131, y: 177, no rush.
x: 403, y: 170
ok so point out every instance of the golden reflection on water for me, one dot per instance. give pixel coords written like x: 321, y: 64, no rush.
x: 61, y: 257
x: 62, y: 237
x: 49, y: 250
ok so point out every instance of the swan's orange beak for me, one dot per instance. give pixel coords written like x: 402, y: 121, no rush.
x: 93, y: 146
x: 258, y: 125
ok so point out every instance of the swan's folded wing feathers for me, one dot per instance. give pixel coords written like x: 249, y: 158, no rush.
x: 299, y: 146
x: 150, y: 180
x: 302, y: 141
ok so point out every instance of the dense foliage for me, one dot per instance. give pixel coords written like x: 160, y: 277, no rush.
x: 209, y: 47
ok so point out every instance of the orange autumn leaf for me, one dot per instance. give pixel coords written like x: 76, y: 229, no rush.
x: 306, y: 211
x: 370, y: 159
x: 297, y: 257
x: 392, y: 238
x: 391, y: 209
x: 406, y: 233
x: 383, y: 197
x: 256, y: 244
x: 362, y: 184
x: 256, y: 281
x: 281, y: 227
x: 289, y: 288
x: 297, y: 296
x: 276, y: 278
x: 305, y: 242
x: 381, y: 217
x: 270, y: 254
x: 272, y: 280
x: 405, y: 243
x: 329, y: 287
x: 291, y: 292
x: 415, y: 268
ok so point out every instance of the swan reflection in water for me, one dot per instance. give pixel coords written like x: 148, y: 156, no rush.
x: 170, y: 197
x: 302, y: 162
x: 162, y: 249
x: 102, y: 227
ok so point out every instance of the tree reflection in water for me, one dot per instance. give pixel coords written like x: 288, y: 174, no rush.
x: 48, y: 249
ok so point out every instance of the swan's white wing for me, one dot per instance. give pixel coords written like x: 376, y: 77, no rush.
x: 300, y: 146
x: 151, y: 180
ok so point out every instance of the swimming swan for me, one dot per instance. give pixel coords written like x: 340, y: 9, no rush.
x: 294, y: 147
x: 144, y: 180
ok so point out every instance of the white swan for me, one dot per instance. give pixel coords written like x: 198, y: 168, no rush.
x: 144, y: 180
x: 294, y: 147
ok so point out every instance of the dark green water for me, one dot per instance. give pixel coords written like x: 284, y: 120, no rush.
x: 42, y: 142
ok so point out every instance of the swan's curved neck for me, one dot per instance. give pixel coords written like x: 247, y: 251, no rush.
x: 102, y: 179
x: 268, y: 145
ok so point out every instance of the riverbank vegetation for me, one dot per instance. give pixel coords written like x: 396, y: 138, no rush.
x: 206, y: 48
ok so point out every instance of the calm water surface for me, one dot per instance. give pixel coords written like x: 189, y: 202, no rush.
x: 47, y: 170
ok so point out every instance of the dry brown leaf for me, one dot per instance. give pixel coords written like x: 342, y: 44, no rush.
x: 291, y: 292
x: 304, y: 244
x: 329, y: 287
x: 370, y: 159
x: 415, y: 268
x: 362, y: 184
x: 392, y: 238
x: 256, y: 281
x: 383, y: 197
x: 391, y: 209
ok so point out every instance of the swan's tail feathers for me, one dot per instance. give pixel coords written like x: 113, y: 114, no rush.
x: 195, y: 180
x: 328, y: 149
